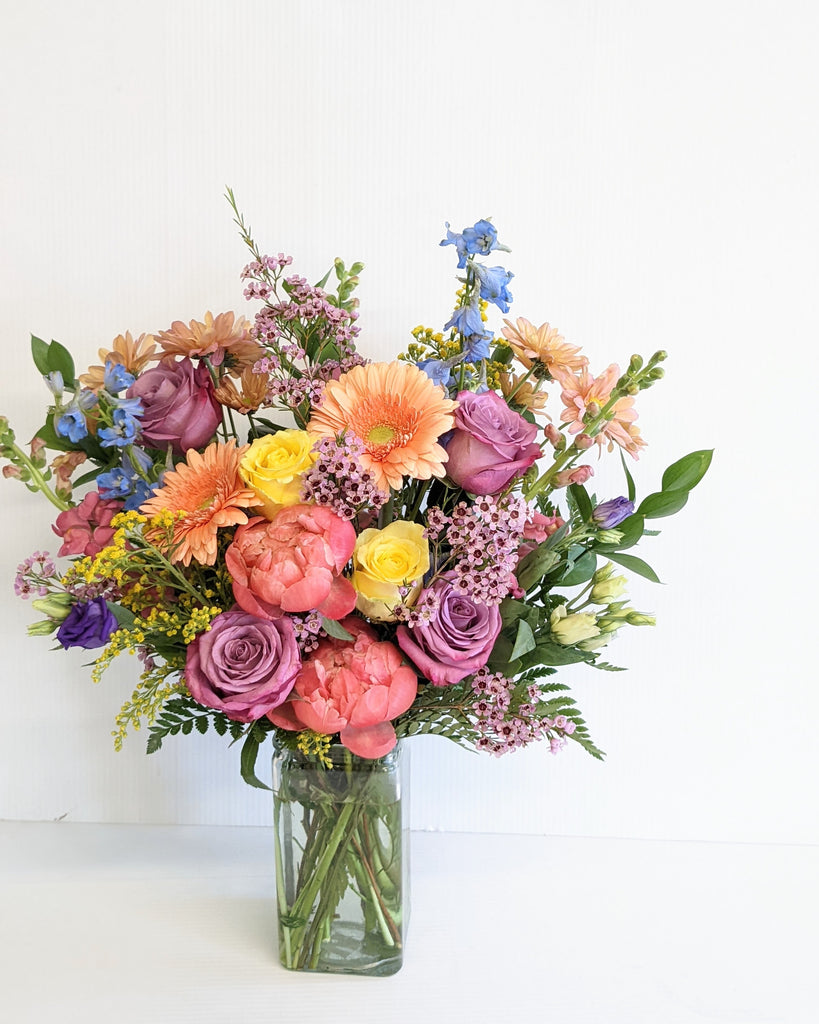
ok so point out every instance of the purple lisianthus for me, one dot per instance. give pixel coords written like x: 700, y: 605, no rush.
x: 244, y: 665
x: 179, y: 405
x: 89, y: 624
x: 491, y: 444
x: 611, y: 513
x: 456, y: 642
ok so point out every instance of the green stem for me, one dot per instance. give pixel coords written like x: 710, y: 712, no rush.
x: 19, y: 456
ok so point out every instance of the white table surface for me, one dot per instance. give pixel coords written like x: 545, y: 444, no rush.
x: 130, y: 923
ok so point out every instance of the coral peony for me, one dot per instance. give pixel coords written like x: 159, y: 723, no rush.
x: 352, y: 688
x: 293, y: 563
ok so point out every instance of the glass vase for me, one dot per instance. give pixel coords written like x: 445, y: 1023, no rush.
x: 342, y: 860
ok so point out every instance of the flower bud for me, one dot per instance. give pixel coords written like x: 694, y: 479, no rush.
x: 612, y: 513
x: 42, y: 628
x: 638, y: 619
x: 605, y: 591
x: 554, y: 436
x: 635, y: 363
x: 610, y: 536
x: 571, y: 629
x: 56, y: 606
x: 583, y: 442
x: 579, y: 475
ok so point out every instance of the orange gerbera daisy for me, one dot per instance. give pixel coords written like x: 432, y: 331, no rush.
x: 584, y: 394
x: 542, y: 344
x: 133, y: 355
x: 209, y: 492
x: 397, y: 413
x: 225, y: 338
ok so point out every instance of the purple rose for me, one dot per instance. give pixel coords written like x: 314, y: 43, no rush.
x: 244, y: 665
x: 611, y: 513
x: 490, y: 445
x: 89, y: 624
x: 457, y: 642
x: 179, y: 405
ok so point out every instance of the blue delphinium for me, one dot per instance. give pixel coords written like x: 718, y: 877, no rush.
x: 117, y: 378
x: 122, y: 431
x: 71, y: 424
x: 466, y: 320
x: 479, y: 240
x: 437, y: 370
x: 493, y: 282
x: 127, y: 482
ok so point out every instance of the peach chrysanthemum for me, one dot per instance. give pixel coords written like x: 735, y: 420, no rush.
x: 253, y: 391
x: 584, y: 394
x: 133, y: 355
x: 208, y: 492
x: 542, y: 344
x: 224, y: 338
x: 522, y: 392
x: 397, y: 413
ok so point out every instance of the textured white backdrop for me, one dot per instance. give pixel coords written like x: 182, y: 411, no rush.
x: 652, y: 167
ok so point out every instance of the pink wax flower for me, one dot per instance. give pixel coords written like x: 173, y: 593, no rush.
x: 243, y: 665
x: 293, y: 563
x: 86, y: 529
x: 490, y: 445
x: 355, y: 688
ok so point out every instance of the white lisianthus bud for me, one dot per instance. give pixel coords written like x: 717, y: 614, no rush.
x: 571, y: 629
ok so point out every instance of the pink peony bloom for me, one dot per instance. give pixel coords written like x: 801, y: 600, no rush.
x: 86, y: 529
x: 352, y: 688
x: 293, y: 563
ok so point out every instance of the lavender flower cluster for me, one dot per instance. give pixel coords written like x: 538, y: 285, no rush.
x: 501, y: 729
x: 485, y: 538
x: 338, y: 480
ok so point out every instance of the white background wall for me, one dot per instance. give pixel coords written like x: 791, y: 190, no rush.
x: 653, y: 167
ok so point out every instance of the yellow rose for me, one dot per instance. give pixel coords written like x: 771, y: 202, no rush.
x: 274, y: 466
x: 571, y: 629
x: 385, y: 560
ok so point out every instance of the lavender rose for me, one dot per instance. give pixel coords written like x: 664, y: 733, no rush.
x: 244, y: 665
x: 89, y: 624
x: 457, y: 642
x: 179, y: 405
x: 491, y: 444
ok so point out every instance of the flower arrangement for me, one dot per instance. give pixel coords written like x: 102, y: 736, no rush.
x: 297, y: 541
x: 294, y: 539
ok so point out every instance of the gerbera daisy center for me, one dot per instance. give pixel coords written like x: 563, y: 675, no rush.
x: 381, y: 433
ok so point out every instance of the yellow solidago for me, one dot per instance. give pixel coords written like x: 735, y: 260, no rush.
x: 316, y: 744
x: 146, y: 701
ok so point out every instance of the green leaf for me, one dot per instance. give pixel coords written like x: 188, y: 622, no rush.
x: 536, y: 564
x: 59, y: 358
x: 201, y: 724
x: 325, y: 279
x: 250, y: 751
x: 582, y: 571
x: 687, y: 472
x: 662, y: 503
x: 629, y: 478
x: 582, y: 500
x: 636, y: 565
x: 524, y: 641
x: 154, y: 743
x: 332, y: 628
x: 39, y: 353
x: 220, y: 725
x: 123, y: 616
x: 547, y: 653
x: 512, y: 610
